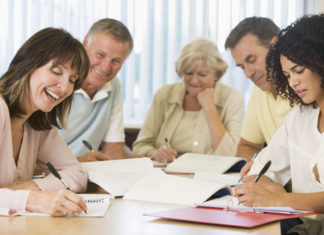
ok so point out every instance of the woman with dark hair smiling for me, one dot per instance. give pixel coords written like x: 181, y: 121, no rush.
x: 295, y: 65
x: 35, y: 96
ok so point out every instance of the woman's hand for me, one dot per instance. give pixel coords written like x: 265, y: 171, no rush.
x: 259, y: 194
x: 55, y: 203
x: 205, y: 98
x: 163, y: 154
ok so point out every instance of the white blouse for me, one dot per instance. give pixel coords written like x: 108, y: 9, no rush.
x: 294, y: 150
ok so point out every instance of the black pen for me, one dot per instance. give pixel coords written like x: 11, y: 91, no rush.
x: 57, y: 175
x: 88, y: 145
x: 263, y: 171
x: 167, y: 142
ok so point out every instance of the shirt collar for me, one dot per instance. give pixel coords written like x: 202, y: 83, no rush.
x: 100, y: 94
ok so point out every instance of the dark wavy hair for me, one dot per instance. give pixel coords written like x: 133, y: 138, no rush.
x: 302, y: 42
x: 46, y: 45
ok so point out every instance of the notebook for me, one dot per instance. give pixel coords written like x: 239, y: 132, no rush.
x: 97, y: 205
x: 193, y: 162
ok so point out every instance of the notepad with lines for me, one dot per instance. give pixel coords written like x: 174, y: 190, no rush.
x: 97, y: 205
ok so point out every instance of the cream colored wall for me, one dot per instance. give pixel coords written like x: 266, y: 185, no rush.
x: 320, y: 6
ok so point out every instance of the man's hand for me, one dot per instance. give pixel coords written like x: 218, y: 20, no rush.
x: 246, y: 168
x: 247, y: 149
x: 93, y: 156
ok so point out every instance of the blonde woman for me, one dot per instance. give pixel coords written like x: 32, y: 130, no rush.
x: 198, y: 115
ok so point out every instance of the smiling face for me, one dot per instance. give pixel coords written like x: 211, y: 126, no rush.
x: 106, y: 57
x: 303, y: 81
x: 50, y: 85
x: 200, y: 78
x: 250, y: 56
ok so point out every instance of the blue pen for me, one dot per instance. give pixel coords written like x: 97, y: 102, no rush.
x: 254, y: 156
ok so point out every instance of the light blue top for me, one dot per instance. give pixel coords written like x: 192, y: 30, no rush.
x: 89, y: 119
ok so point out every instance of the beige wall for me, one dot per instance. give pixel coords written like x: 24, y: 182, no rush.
x: 320, y: 6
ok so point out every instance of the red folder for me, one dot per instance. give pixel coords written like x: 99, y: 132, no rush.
x: 222, y: 217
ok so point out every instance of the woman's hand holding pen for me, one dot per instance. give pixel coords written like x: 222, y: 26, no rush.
x: 55, y: 203
x: 263, y: 193
x: 164, y: 154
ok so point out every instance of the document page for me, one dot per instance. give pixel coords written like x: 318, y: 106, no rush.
x: 227, y: 179
x: 140, y: 164
x: 117, y: 176
x: 160, y: 187
x: 192, y: 162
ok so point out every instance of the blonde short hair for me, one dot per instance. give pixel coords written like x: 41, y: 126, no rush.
x: 198, y: 51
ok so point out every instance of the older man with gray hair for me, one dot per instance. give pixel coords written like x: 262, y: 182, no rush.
x: 97, y: 110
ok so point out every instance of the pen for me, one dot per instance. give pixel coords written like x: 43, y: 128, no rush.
x: 88, y: 145
x: 167, y: 142
x: 254, y: 156
x: 263, y: 171
x: 57, y: 175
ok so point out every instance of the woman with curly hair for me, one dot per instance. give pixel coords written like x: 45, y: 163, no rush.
x: 295, y: 65
x: 35, y: 96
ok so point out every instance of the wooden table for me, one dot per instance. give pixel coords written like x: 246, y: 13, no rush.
x: 124, y: 217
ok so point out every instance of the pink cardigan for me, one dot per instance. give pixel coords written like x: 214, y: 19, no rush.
x: 40, y: 147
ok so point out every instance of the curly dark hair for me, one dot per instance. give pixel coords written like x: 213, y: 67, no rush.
x: 302, y: 42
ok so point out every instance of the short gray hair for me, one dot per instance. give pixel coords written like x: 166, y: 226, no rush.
x: 198, y: 51
x: 114, y: 28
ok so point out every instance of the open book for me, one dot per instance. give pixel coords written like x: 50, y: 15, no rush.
x: 117, y: 176
x: 163, y: 188
x: 193, y: 162
x: 97, y: 205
